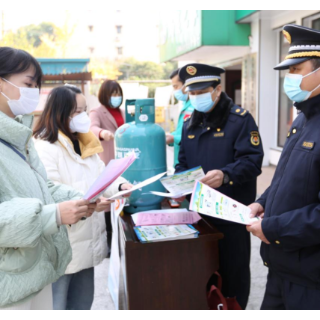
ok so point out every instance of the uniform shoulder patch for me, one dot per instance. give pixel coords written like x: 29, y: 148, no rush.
x: 255, y: 138
x: 239, y: 111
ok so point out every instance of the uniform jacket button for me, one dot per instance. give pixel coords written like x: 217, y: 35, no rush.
x: 277, y: 242
x: 265, y: 264
x: 231, y: 183
x: 294, y: 130
x: 208, y: 128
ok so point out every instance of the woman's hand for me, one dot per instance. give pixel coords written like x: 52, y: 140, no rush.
x: 103, y: 204
x: 169, y: 138
x: 72, y: 211
x: 126, y: 186
x: 180, y: 199
x: 106, y: 135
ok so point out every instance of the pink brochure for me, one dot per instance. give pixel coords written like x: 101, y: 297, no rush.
x: 165, y: 217
x: 111, y: 172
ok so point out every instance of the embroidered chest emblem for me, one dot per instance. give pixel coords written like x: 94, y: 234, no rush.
x: 308, y: 145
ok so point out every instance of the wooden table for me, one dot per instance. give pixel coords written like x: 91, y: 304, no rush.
x: 167, y: 275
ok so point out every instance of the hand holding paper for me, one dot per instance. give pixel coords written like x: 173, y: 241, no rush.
x: 180, y: 184
x: 213, y: 179
x: 140, y: 185
x: 127, y: 186
x: 103, y: 204
x: 217, y: 205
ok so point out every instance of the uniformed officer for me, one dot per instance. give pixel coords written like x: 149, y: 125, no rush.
x: 224, y: 139
x: 174, y: 138
x: 290, y: 207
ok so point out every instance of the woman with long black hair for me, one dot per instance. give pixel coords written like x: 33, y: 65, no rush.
x: 69, y: 152
x: 34, y: 246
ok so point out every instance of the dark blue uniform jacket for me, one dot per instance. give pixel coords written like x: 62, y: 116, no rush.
x: 292, y: 207
x: 226, y: 140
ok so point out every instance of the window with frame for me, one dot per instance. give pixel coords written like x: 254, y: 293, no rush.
x: 316, y: 24
x: 312, y: 21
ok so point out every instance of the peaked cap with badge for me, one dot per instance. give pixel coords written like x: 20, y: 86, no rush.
x: 304, y: 45
x: 226, y: 139
x: 198, y: 76
x: 291, y: 203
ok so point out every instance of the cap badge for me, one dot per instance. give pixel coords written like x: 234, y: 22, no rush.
x: 191, y: 70
x: 287, y: 35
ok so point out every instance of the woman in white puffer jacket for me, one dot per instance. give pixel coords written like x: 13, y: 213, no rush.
x: 69, y: 152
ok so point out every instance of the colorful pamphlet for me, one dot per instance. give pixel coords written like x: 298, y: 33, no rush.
x: 165, y: 233
x: 215, y: 204
x: 114, y: 169
x: 165, y: 217
x: 180, y: 184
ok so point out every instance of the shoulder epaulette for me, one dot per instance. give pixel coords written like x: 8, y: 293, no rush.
x: 239, y: 111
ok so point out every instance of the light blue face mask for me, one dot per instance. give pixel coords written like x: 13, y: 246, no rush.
x: 292, y: 87
x: 115, y: 102
x: 180, y: 95
x: 202, y: 102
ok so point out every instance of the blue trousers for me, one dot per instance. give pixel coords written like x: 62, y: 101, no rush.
x: 281, y: 294
x: 74, y: 291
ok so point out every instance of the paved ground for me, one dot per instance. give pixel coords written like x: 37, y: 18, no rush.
x: 103, y: 301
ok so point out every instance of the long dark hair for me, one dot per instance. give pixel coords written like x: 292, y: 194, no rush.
x: 60, y: 105
x: 14, y: 61
x: 106, y: 90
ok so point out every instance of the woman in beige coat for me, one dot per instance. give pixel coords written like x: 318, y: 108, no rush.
x: 69, y: 152
x: 105, y: 120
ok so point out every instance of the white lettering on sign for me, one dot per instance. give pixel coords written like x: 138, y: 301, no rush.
x: 123, y: 152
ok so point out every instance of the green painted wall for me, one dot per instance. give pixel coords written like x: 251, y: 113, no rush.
x: 220, y: 29
x: 186, y: 30
x: 240, y: 14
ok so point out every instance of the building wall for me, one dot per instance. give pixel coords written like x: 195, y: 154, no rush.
x: 264, y: 42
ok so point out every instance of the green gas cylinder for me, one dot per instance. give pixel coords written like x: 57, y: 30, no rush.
x: 147, y: 139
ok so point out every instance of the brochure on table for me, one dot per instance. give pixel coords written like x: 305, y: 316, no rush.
x: 165, y: 233
x: 165, y: 217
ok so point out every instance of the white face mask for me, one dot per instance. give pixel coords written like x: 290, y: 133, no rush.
x: 27, y: 103
x: 80, y: 123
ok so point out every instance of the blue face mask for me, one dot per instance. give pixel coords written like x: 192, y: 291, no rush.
x: 292, y: 88
x: 180, y: 95
x: 202, y: 102
x: 115, y: 102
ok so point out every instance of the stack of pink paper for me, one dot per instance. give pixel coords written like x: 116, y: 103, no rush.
x: 165, y: 217
x: 112, y: 171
